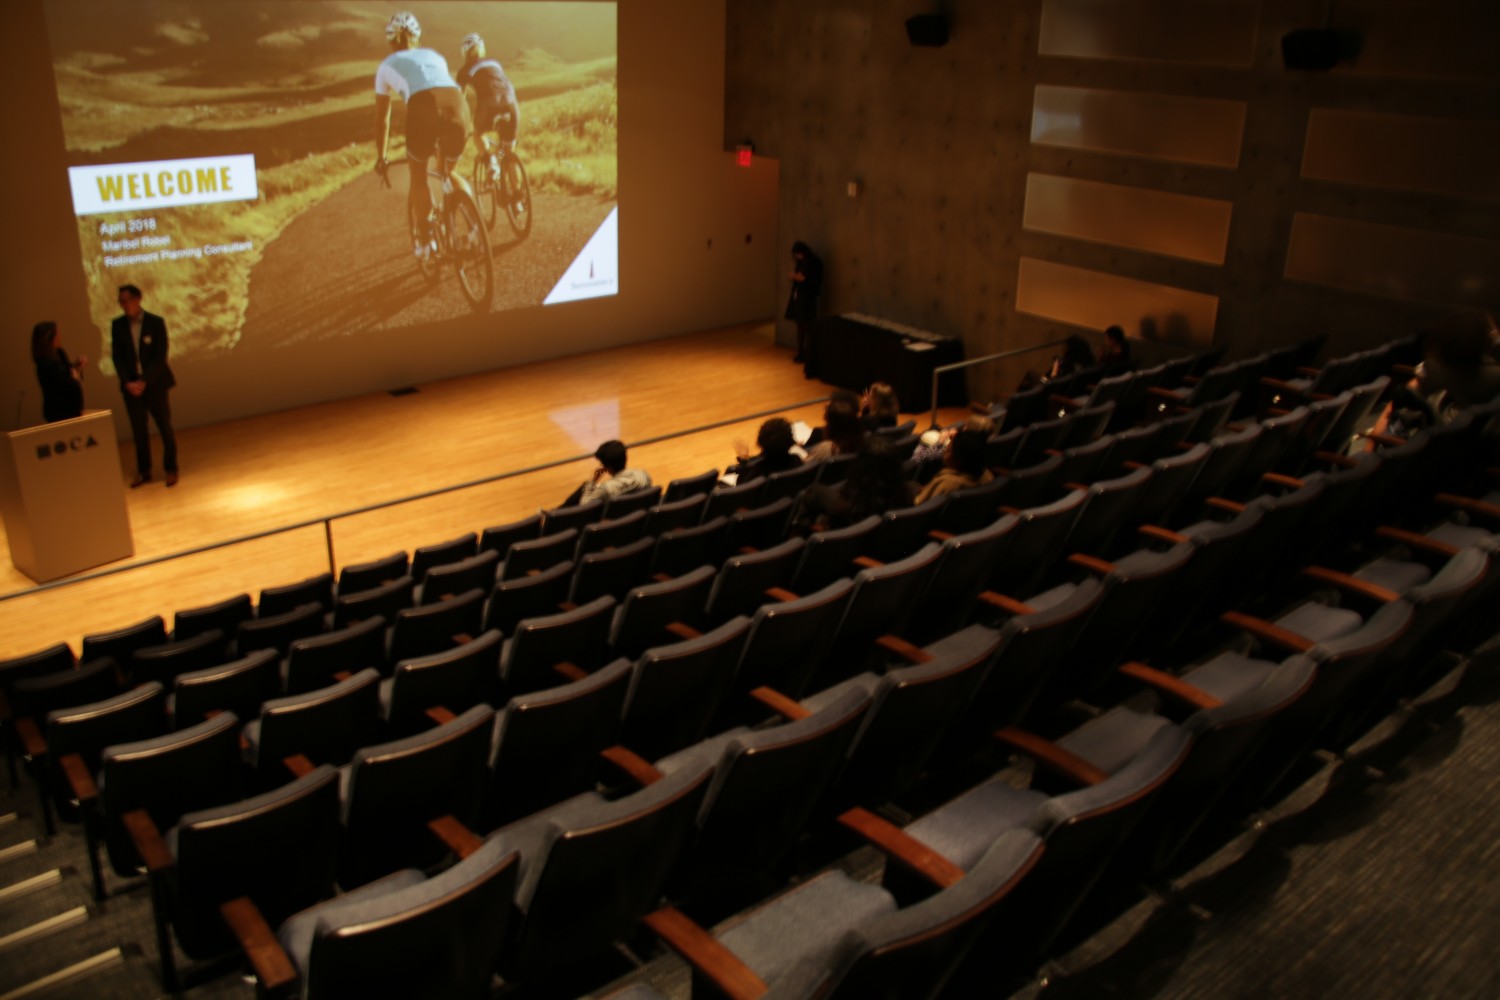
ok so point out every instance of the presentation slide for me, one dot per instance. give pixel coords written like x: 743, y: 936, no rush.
x: 222, y: 157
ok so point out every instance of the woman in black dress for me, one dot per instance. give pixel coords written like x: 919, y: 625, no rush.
x: 61, y: 379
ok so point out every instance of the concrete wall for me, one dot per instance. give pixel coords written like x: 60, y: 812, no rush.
x: 1065, y: 164
x: 685, y: 214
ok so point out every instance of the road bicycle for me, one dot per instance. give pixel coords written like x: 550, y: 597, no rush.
x: 500, y: 182
x: 454, y: 233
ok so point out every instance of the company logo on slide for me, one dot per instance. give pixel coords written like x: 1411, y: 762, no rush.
x: 124, y: 187
x: 72, y: 444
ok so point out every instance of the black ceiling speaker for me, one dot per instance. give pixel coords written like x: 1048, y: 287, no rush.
x: 928, y: 29
x: 1318, y: 48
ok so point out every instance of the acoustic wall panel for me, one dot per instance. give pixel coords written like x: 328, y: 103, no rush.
x: 1177, y: 225
x: 1096, y: 300
x: 1196, y: 130
x: 1205, y: 32
x: 1393, y: 261
x: 1436, y: 155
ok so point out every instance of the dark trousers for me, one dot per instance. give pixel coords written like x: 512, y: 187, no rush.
x: 159, y: 406
x: 807, y: 347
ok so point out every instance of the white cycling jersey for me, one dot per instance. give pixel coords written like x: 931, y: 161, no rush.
x: 411, y: 71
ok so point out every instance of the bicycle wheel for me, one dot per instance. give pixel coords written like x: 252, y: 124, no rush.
x: 517, y: 192
x: 469, y: 250
x: 486, y: 193
x: 427, y: 263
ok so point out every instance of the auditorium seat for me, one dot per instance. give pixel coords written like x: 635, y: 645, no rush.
x: 682, y: 550
x: 239, y: 686
x: 391, y: 791
x: 1042, y: 437
x: 166, y: 661
x: 406, y: 935
x: 612, y: 572
x: 543, y: 593
x: 643, y: 618
x: 884, y: 597
x: 1220, y: 467
x: 289, y: 597
x: 744, y: 581
x: 788, y: 640
x: 1000, y: 449
x: 546, y: 743
x: 501, y: 537
x: 539, y: 554
x: 905, y: 530
x: 972, y: 508
x: 759, y: 527
x: 572, y: 518
x: 1109, y: 505
x: 33, y: 698
x: 321, y: 727
x: 1033, y: 485
x: 426, y: 558
x: 275, y: 850
x: 548, y: 648
x: 677, y: 689
x: 50, y: 659
x: 314, y: 661
x: 1358, y: 415
x: 1036, y: 544
x: 1212, y: 417
x: 1085, y: 463
x: 963, y: 568
x: 364, y: 576
x: 622, y: 504
x: 1086, y: 425
x: 611, y: 533
x: 682, y: 513
x: 834, y: 470
x: 479, y: 570
x: 727, y: 499
x: 433, y: 628
x: 789, y: 483
x: 1023, y: 408
x: 224, y: 615
x: 120, y: 644
x: 385, y: 600
x: 1171, y: 478
x: 1131, y: 445
x: 689, y: 486
x: 1131, y: 404
x: 454, y: 681
x: 829, y: 555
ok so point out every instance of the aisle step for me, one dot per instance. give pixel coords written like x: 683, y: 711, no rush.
x: 20, y: 850
x: 40, y: 929
x: 93, y: 964
x: 31, y: 884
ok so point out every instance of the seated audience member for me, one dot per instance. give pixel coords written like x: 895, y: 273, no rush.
x: 611, y: 478
x: 820, y: 434
x: 963, y: 466
x: 879, y: 407
x: 1459, y: 369
x: 778, y: 451
x: 842, y: 431
x: 1115, y: 354
x: 934, y: 443
x: 874, y: 486
x: 1076, y: 354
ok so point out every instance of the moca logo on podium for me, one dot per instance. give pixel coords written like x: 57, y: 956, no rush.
x: 72, y: 444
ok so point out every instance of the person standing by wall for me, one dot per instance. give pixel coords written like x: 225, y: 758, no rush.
x: 61, y: 379
x: 138, y: 342
x: 802, y: 304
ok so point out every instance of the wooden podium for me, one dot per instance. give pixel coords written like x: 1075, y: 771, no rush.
x: 63, y: 497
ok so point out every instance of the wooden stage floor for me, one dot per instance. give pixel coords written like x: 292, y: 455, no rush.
x: 317, y: 463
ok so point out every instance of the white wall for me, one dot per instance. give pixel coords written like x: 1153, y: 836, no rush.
x: 685, y: 210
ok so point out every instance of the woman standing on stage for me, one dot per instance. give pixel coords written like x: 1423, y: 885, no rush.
x: 61, y: 379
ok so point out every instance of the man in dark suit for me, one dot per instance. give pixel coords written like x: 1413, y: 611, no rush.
x: 138, y: 340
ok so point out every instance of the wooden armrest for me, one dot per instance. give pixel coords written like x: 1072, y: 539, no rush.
x: 748, y: 550
x: 1191, y: 379
x: 1342, y: 461
x: 566, y: 606
x: 661, y: 577
x: 1066, y: 402
x: 440, y: 715
x: 461, y: 638
x: 1353, y: 584
x: 342, y: 675
x: 1469, y: 504
x: 1132, y: 465
x: 703, y: 952
x: 1091, y: 564
x: 30, y: 735
x: 79, y: 778
x: 1277, y: 479
x: 1170, y: 685
x: 782, y: 594
x: 1052, y: 756
x: 682, y: 631
x: 147, y: 840
x: 779, y: 703
x: 298, y: 764
x: 1279, y: 385
x: 1404, y: 370
x: 1162, y: 534
x: 635, y: 767
x: 865, y: 562
x: 1389, y: 440
x: 909, y: 652
x: 1075, y: 486
x: 459, y: 838
x: 902, y: 847
x: 1009, y: 509
x: 1234, y: 507
x: 270, y: 963
x: 940, y: 536
x: 1309, y: 372
x: 1268, y: 631
x: 571, y: 671
x: 1009, y: 605
x: 1049, y: 452
x: 1165, y: 394
x: 1320, y: 397
x: 1413, y: 540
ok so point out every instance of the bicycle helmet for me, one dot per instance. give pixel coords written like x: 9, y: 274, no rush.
x: 472, y: 43
x: 403, y: 21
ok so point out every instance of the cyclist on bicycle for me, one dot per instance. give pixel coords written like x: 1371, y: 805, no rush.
x: 435, y: 116
x: 497, y: 108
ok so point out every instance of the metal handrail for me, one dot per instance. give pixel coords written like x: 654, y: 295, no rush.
x: 1015, y: 352
x: 327, y: 519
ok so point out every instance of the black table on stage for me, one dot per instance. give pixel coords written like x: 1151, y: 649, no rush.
x: 855, y: 350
